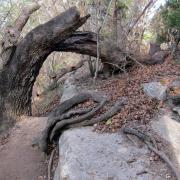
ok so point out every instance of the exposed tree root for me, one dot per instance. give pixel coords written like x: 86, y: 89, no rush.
x: 77, y: 99
x: 60, y: 119
x: 50, y: 163
x: 110, y: 113
x: 63, y: 123
x: 148, y: 140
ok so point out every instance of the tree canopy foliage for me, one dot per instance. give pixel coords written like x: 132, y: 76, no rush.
x: 167, y: 20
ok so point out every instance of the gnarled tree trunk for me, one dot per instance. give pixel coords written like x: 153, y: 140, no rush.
x: 21, y: 60
x: 20, y: 69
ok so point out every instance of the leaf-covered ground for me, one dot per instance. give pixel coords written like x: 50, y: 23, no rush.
x: 140, y: 108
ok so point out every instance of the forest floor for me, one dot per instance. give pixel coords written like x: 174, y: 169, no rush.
x: 18, y: 159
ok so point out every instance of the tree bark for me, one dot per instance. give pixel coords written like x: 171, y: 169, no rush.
x: 19, y: 70
x: 18, y: 74
x: 86, y: 43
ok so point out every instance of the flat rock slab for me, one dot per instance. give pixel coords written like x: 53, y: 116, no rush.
x: 155, y: 90
x: 87, y: 155
x: 169, y: 129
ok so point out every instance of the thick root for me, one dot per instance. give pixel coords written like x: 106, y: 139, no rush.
x: 61, y: 118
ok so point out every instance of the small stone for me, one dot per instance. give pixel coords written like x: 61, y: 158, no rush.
x: 168, y: 176
x: 155, y: 90
x: 159, y: 57
x: 151, y: 158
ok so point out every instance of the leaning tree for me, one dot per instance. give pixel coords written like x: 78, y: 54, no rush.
x: 22, y: 58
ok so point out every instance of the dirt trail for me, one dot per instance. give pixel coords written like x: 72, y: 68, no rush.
x: 18, y: 159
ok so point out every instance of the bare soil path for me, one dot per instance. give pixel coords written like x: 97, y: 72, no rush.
x: 18, y: 159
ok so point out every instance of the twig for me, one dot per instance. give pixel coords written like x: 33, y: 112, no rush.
x: 146, y: 139
x: 50, y: 163
x: 117, y: 66
x: 97, y: 39
x: 132, y: 58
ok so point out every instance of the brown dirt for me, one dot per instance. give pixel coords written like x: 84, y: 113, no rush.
x: 18, y: 159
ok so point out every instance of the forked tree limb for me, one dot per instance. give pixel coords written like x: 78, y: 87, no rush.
x: 86, y: 43
x: 146, y: 139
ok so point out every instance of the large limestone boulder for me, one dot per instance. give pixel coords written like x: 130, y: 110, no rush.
x: 86, y: 155
x: 157, y: 58
x: 168, y: 128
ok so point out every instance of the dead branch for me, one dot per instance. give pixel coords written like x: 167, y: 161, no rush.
x: 97, y: 39
x: 147, y: 140
x: 139, y: 17
x: 86, y: 43
x: 91, y: 68
x: 165, y: 159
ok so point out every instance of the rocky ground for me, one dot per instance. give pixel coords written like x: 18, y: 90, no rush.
x: 88, y: 155
x: 21, y: 161
x: 140, y: 107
